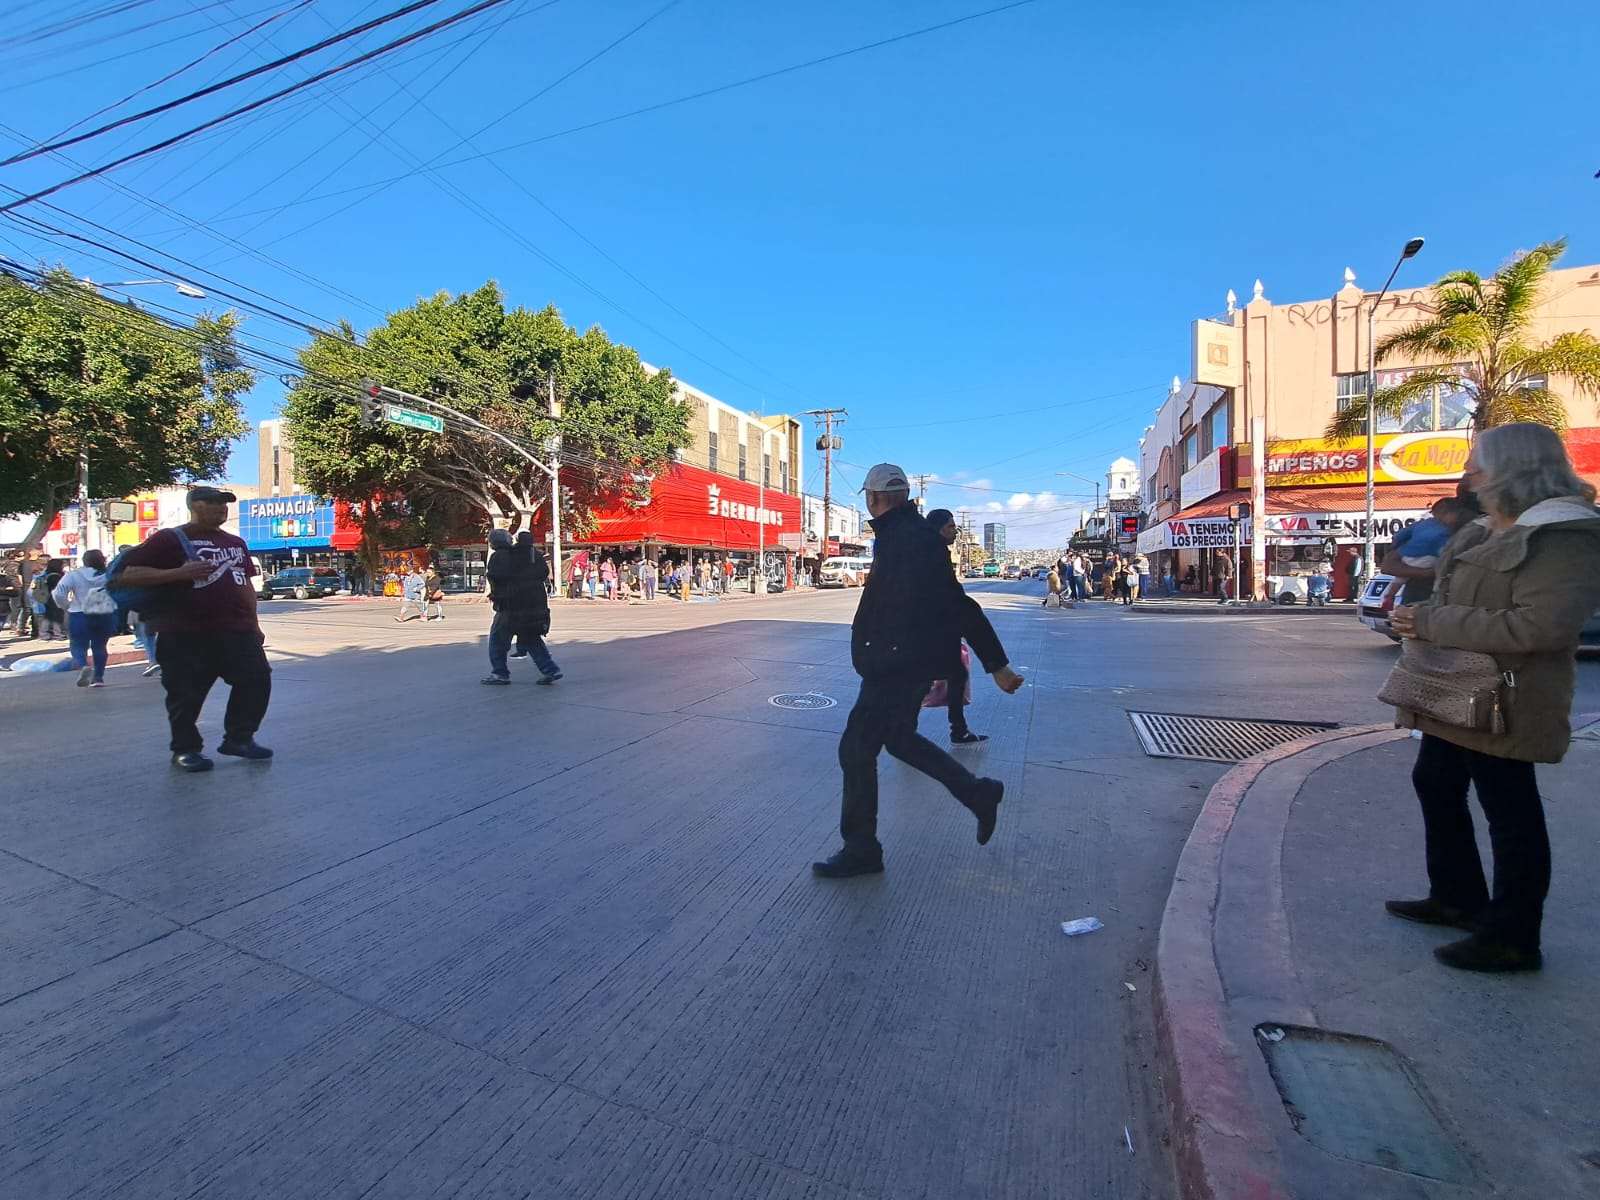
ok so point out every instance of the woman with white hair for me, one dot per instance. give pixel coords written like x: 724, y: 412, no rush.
x: 1517, y: 585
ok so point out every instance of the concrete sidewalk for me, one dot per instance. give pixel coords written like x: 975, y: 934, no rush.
x: 1275, y: 949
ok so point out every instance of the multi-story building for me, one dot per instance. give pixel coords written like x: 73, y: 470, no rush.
x: 1278, y: 373
x: 844, y: 526
x: 994, y: 539
x: 275, y: 460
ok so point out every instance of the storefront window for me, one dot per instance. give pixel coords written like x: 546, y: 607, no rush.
x: 1441, y: 407
x: 462, y: 568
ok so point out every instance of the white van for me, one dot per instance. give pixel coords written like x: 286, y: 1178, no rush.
x: 844, y: 572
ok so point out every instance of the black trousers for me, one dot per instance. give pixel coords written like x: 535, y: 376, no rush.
x: 885, y: 717
x: 192, y: 662
x: 956, y: 690
x: 1509, y: 796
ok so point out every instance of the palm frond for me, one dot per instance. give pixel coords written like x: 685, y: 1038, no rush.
x: 1536, y: 404
x: 1516, y: 285
x: 1574, y: 355
x: 1351, y: 422
x: 1440, y: 338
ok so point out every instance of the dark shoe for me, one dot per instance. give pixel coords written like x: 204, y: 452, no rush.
x: 1430, y: 912
x: 1470, y: 954
x: 985, y: 805
x: 548, y: 679
x: 84, y: 676
x: 967, y: 738
x: 517, y: 657
x: 845, y: 864
x: 192, y: 761
x: 249, y: 748
x: 495, y: 679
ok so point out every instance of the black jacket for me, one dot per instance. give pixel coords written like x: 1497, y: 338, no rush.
x: 913, y: 611
x: 517, y: 583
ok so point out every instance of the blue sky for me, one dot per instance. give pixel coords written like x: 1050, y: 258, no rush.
x: 986, y: 243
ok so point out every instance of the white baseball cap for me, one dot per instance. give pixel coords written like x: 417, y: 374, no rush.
x: 886, y: 477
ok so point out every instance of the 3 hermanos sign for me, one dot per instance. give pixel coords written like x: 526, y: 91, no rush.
x: 1402, y: 457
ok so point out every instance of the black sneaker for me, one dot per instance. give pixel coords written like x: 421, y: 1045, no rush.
x: 192, y: 761
x: 1471, y: 954
x: 548, y: 679
x: 967, y: 738
x: 495, y: 679
x: 1429, y: 912
x: 985, y: 805
x: 517, y: 658
x: 248, y: 748
x: 844, y: 864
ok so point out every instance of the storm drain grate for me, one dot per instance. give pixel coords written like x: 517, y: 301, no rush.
x: 802, y: 700
x: 1216, y: 739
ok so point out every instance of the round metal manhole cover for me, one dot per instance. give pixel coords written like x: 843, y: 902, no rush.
x: 803, y: 700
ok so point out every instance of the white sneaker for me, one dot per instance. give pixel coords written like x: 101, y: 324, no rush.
x: 151, y: 669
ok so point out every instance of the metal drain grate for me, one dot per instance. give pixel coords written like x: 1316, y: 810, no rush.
x: 802, y: 700
x: 1216, y: 739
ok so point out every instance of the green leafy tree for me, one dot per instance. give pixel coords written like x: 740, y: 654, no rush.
x: 151, y: 405
x: 1478, y: 342
x: 618, y: 421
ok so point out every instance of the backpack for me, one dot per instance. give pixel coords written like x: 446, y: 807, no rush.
x: 98, y: 601
x: 147, y: 601
x: 39, y: 589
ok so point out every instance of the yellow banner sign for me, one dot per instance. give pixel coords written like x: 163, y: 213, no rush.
x: 1402, y: 457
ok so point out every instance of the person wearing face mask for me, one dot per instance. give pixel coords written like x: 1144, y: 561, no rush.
x: 1517, y: 585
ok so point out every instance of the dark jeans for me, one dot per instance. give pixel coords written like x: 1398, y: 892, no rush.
x: 1509, y: 795
x: 192, y: 662
x: 89, y: 632
x: 525, y: 628
x: 957, y: 700
x: 885, y: 717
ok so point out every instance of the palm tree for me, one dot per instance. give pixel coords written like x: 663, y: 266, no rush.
x: 1479, y: 336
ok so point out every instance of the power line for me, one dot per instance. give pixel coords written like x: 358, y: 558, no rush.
x: 220, y: 85
x: 166, y: 143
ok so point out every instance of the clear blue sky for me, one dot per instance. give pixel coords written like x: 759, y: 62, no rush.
x: 1022, y: 212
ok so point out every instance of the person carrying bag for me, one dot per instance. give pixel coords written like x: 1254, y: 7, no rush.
x: 1487, y: 677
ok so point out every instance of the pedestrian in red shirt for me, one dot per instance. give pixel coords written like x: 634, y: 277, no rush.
x: 208, y: 632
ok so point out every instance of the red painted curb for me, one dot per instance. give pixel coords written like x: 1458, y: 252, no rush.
x: 1223, y: 1144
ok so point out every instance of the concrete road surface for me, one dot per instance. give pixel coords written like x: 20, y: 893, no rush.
x: 462, y: 941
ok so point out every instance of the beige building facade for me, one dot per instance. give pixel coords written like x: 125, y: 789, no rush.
x: 275, y: 460
x: 1290, y: 368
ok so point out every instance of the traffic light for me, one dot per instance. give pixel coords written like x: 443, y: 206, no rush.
x: 371, y: 411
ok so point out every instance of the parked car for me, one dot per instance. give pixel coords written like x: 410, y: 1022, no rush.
x: 844, y: 572
x: 974, y: 573
x: 303, y: 583
x: 1373, y: 611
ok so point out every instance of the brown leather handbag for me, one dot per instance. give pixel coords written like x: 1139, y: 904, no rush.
x: 1454, y: 687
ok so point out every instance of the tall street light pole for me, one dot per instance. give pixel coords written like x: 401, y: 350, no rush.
x: 1086, y: 479
x: 84, y: 522
x: 1409, y: 250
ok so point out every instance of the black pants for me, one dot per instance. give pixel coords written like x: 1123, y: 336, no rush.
x: 192, y: 662
x: 956, y: 691
x: 885, y: 717
x: 1509, y: 795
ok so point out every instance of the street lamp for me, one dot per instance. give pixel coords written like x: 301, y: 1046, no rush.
x: 1086, y: 479
x: 1409, y: 250
x: 183, y: 289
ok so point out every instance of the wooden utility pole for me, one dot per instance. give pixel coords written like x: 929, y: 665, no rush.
x: 827, y: 443
x: 922, y: 493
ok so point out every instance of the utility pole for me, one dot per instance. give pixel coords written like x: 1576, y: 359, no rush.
x: 555, y: 490
x: 827, y: 443
x: 922, y: 494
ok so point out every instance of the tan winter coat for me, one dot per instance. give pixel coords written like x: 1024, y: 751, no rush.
x: 1521, y: 596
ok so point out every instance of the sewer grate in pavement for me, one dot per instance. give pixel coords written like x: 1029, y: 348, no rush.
x: 1355, y: 1098
x: 1216, y: 739
x: 802, y: 700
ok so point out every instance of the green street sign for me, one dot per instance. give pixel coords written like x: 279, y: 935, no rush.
x: 412, y: 419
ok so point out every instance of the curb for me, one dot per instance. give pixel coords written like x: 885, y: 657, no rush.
x: 116, y: 658
x: 1251, y: 609
x: 1223, y: 1144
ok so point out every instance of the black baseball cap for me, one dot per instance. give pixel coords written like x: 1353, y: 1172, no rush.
x: 202, y: 495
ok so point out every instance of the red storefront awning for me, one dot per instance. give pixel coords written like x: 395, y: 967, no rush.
x: 1387, y: 497
x: 690, y: 506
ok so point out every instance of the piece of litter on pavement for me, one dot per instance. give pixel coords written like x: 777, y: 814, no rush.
x: 1081, y: 925
x: 1271, y: 1035
x: 1128, y: 1137
x: 1130, y: 987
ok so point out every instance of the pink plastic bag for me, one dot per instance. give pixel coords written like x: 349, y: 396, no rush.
x: 939, y: 694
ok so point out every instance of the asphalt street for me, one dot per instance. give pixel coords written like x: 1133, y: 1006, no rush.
x: 467, y: 941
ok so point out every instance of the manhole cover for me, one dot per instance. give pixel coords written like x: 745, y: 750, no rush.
x: 802, y: 700
x: 1354, y: 1097
x: 1215, y: 739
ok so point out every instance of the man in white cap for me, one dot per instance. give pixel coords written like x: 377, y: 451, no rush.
x: 207, y: 628
x: 906, y: 633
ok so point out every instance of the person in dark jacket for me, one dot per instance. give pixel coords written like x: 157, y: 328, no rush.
x: 977, y: 632
x: 517, y: 578
x: 906, y: 633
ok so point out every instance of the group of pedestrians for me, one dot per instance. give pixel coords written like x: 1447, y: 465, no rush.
x: 621, y: 578
x: 28, y: 604
x: 422, y: 591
